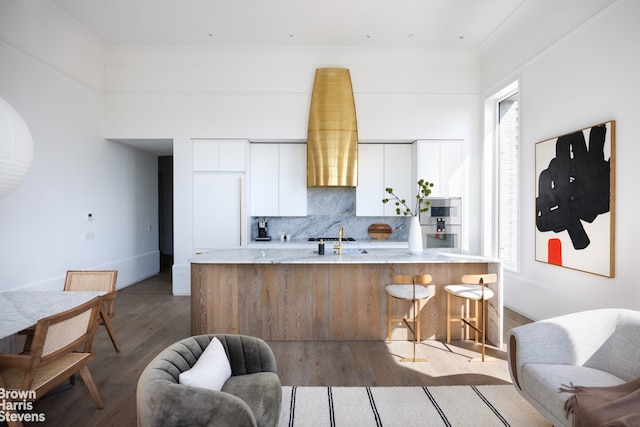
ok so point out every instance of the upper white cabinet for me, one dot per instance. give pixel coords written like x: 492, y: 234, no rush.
x: 292, y: 183
x: 278, y: 179
x: 441, y: 162
x: 219, y: 155
x: 381, y: 166
x: 370, y: 190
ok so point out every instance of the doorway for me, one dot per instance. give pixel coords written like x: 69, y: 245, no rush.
x: 165, y: 212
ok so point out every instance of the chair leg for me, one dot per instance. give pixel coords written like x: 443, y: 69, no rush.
x: 476, y: 320
x: 448, y: 318
x: 484, y: 326
x: 91, y: 386
x: 107, y: 324
x: 483, y: 334
x: 389, y: 302
x: 416, y: 332
x: 466, y: 315
x: 416, y: 320
x: 28, y: 341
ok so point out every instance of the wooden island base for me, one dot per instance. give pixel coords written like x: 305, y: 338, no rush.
x: 323, y: 301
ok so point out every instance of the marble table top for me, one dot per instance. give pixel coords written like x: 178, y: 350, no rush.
x: 349, y: 256
x: 22, y: 309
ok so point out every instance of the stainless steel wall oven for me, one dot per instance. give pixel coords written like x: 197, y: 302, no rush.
x: 442, y: 223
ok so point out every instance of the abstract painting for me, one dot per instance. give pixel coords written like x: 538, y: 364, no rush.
x: 575, y: 188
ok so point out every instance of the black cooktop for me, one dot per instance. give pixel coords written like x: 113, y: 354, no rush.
x: 331, y: 239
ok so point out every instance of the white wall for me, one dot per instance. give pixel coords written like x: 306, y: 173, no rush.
x: 264, y: 93
x: 54, y: 73
x: 51, y: 72
x: 586, y: 78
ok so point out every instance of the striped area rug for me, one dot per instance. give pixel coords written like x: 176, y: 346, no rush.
x: 466, y: 406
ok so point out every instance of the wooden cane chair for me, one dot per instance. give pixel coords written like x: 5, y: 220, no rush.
x: 53, y: 356
x: 97, y: 280
x: 8, y: 412
x: 473, y: 288
x: 409, y: 288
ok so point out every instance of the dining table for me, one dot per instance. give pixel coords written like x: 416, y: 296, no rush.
x: 20, y: 310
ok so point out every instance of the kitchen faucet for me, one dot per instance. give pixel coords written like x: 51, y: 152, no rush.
x: 340, y: 236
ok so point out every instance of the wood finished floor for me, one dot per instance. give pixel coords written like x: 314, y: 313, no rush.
x: 148, y: 319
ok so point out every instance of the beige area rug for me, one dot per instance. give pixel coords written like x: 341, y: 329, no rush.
x: 466, y: 406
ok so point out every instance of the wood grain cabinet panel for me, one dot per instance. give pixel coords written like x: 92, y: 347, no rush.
x: 315, y: 301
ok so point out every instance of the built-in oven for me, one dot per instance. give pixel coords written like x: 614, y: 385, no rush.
x: 442, y: 223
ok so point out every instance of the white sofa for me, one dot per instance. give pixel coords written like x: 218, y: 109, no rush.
x: 589, y: 348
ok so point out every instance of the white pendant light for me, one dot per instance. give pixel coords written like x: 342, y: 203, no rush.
x: 16, y: 148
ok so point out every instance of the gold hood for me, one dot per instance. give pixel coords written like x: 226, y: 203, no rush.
x: 332, y: 137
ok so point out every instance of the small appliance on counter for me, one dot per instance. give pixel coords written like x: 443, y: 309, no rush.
x: 263, y: 233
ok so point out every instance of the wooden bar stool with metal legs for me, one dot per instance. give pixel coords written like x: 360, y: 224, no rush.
x: 473, y: 288
x: 409, y: 288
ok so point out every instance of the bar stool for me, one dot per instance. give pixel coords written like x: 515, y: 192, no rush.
x: 409, y: 288
x: 473, y: 288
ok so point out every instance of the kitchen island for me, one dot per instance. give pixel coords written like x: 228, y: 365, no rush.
x: 296, y: 294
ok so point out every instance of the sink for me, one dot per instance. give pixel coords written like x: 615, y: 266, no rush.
x: 345, y: 251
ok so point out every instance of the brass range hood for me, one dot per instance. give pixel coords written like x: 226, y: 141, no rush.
x: 332, y: 136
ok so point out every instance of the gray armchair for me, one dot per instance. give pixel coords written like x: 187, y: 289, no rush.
x: 589, y: 348
x: 251, y: 397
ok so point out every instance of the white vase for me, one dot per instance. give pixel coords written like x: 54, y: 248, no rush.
x: 415, y: 236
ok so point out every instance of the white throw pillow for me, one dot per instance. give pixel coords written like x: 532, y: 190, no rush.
x: 211, y: 370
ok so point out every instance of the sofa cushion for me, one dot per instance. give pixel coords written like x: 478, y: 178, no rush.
x: 211, y: 370
x: 262, y: 391
x: 542, y: 383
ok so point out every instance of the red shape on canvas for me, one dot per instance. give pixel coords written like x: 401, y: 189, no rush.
x: 555, y: 251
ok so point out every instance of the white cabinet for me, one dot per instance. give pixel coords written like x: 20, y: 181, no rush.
x: 441, y: 162
x: 370, y: 189
x: 264, y: 179
x: 381, y: 166
x: 398, y: 174
x: 217, y: 210
x: 219, y: 155
x: 292, y: 182
x: 278, y: 179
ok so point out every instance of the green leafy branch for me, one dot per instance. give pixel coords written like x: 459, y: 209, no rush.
x: 422, y: 204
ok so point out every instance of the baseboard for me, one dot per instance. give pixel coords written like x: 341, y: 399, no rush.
x: 130, y: 270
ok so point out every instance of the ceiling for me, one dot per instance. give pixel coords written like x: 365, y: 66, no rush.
x: 432, y: 24
x: 448, y: 24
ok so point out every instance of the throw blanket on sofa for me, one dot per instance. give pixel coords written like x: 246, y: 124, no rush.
x: 604, y: 406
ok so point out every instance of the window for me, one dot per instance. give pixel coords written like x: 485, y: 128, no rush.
x: 507, y: 179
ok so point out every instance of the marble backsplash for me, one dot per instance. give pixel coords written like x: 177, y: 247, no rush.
x: 327, y: 210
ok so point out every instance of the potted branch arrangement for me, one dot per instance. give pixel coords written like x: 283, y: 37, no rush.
x: 402, y: 208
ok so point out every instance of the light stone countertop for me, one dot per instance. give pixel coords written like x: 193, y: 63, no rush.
x: 22, y: 309
x: 269, y: 255
x: 306, y: 244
